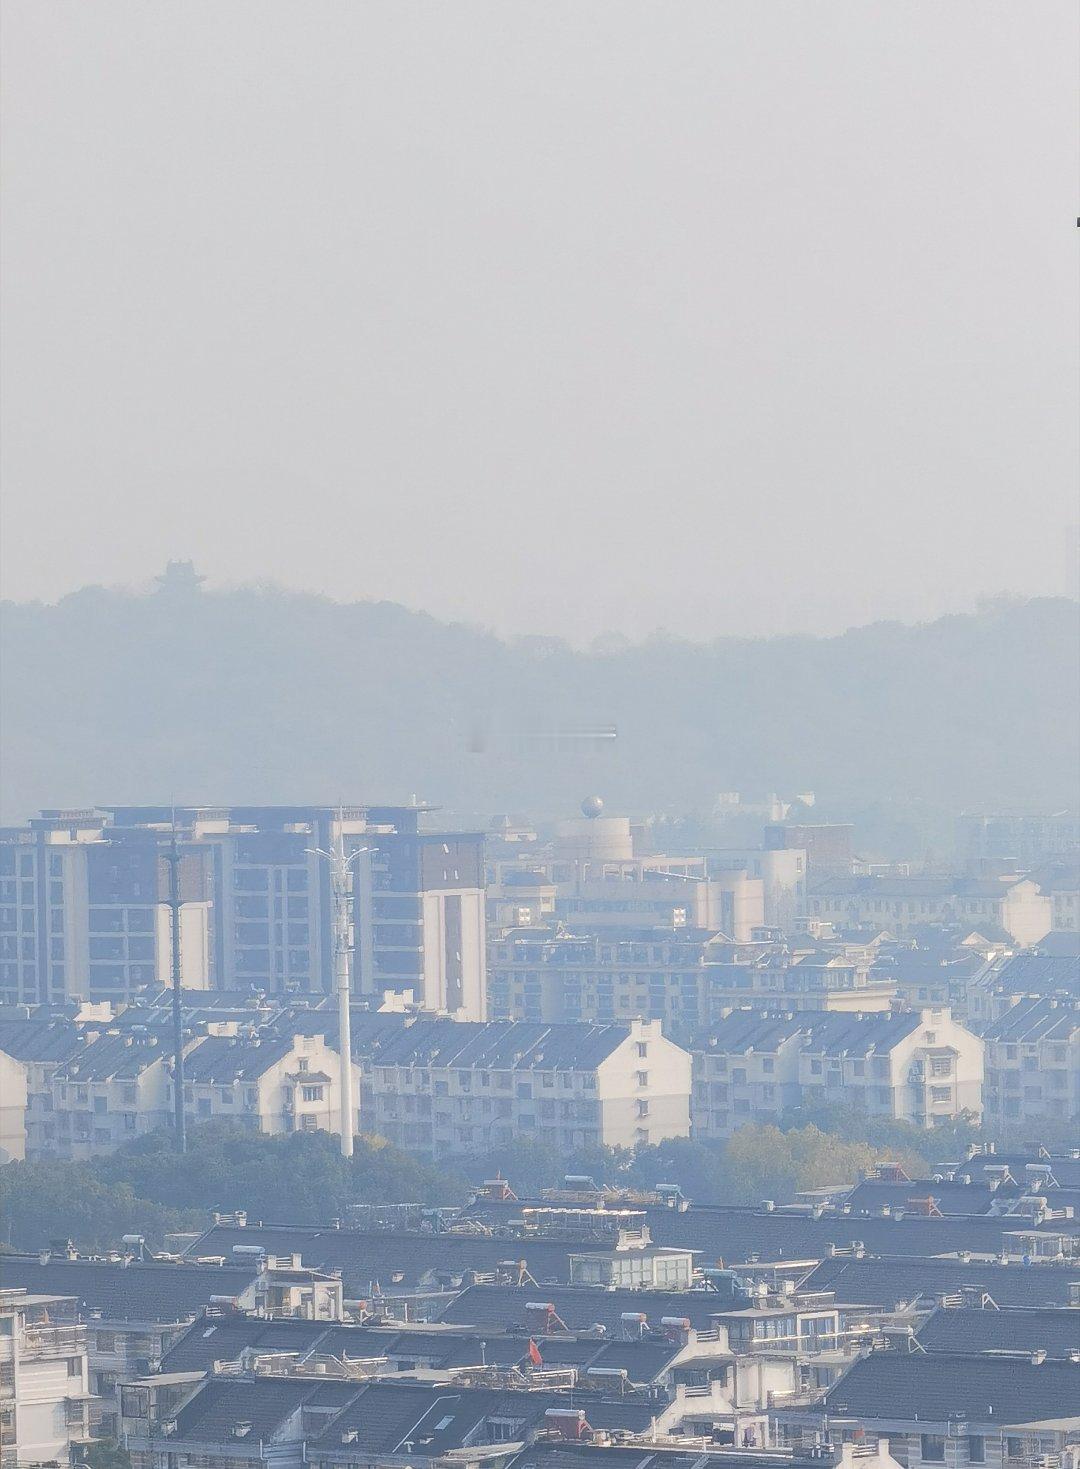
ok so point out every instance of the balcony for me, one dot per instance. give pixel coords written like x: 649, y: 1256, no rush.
x: 52, y: 1341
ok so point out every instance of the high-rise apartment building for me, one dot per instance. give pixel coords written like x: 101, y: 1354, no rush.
x: 420, y: 914
x: 84, y: 903
x: 83, y: 910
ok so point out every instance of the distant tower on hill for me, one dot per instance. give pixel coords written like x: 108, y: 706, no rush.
x: 179, y: 579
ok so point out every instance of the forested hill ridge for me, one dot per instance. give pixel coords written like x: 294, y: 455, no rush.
x: 265, y: 696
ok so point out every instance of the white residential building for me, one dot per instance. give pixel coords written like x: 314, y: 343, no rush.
x: 920, y: 1066
x: 117, y: 1084
x: 1033, y: 1063
x: 269, y: 1083
x: 1013, y: 906
x: 439, y: 1087
x: 44, y: 1379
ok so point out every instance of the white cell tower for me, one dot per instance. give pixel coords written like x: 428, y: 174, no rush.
x: 341, y: 881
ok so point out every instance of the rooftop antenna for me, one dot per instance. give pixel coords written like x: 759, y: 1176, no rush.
x: 177, y: 1005
x: 341, y: 871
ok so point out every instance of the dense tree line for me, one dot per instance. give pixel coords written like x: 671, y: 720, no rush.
x: 144, y: 1188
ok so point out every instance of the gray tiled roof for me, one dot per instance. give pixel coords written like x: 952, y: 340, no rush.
x: 828, y: 1031
x: 951, y: 1198
x: 388, y: 1416
x: 935, y: 1386
x: 1056, y: 1331
x: 734, y: 1235
x: 1033, y: 974
x: 1064, y: 1167
x: 580, y: 1307
x: 499, y: 1045
x: 366, y: 1259
x: 225, y: 1059
x: 887, y: 1282
x: 39, y: 1039
x: 121, y: 1057
x: 136, y: 1292
x: 1045, y: 1019
x: 265, y: 1403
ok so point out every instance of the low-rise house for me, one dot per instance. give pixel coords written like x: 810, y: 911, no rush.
x: 440, y: 1086
x: 1013, y: 1411
x: 921, y: 1067
x: 406, y: 1268
x: 1033, y: 1063
x: 737, y: 1235
x: 295, y: 1420
x: 132, y: 1311
x: 1012, y: 905
x: 45, y: 1396
x: 1060, y: 881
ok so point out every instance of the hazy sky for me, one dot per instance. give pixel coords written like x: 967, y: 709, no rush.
x: 739, y: 316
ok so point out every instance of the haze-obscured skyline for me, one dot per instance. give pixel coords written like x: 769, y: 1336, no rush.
x: 717, y: 317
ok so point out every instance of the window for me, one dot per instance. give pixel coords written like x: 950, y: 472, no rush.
x: 642, y: 1078
x: 932, y: 1448
x: 311, y: 1093
x: 642, y: 1049
x: 976, y: 1448
x: 74, y: 1366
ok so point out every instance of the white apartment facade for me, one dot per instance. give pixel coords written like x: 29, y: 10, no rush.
x: 1033, y: 1062
x: 920, y: 1067
x: 268, y: 1083
x: 117, y: 1085
x: 438, y: 1087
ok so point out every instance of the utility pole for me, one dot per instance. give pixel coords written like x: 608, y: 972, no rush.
x: 180, y: 1139
x: 341, y: 869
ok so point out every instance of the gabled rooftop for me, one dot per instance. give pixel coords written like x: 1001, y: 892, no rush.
x: 934, y: 1387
